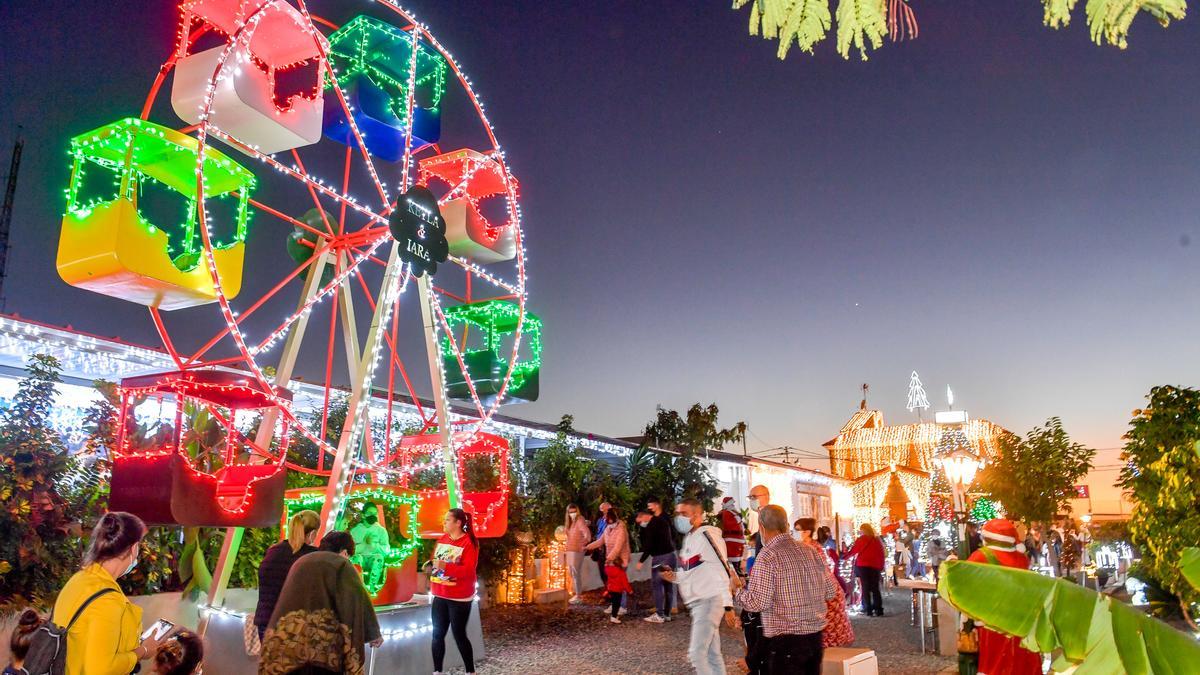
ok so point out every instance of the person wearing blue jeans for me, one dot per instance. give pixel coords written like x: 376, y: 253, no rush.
x: 659, y: 547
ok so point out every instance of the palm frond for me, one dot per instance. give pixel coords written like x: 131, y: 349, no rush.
x: 1109, y: 20
x: 1092, y: 630
x: 1058, y: 12
x: 859, y: 23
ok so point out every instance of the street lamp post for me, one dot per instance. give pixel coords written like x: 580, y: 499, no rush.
x: 960, y: 466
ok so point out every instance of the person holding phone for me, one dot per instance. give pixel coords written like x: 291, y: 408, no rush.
x: 106, y: 639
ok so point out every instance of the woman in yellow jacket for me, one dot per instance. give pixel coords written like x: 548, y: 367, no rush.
x: 106, y: 638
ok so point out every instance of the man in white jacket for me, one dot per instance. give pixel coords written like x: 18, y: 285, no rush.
x: 703, y: 580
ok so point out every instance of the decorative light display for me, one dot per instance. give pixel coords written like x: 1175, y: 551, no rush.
x: 163, y: 485
x: 939, y: 516
x: 472, y: 177
x: 556, y: 574
x: 916, y: 394
x: 481, y: 372
x: 375, y: 66
x: 248, y: 104
x: 870, y: 493
x: 983, y: 510
x: 259, y: 35
x: 107, y: 244
x: 866, y: 445
x: 517, y: 583
x: 390, y: 496
x: 488, y: 508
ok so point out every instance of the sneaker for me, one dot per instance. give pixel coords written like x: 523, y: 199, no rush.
x: 575, y: 600
x: 613, y: 619
x: 654, y: 618
x: 622, y: 612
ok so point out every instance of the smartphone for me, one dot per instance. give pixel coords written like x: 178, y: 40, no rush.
x: 662, y: 568
x: 159, y: 630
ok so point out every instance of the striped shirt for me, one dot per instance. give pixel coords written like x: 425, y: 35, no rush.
x: 789, y: 586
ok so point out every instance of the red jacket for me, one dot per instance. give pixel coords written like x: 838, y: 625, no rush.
x: 460, y: 568
x: 733, y: 533
x: 869, y: 551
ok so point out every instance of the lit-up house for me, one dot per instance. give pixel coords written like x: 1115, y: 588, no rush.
x: 888, y: 466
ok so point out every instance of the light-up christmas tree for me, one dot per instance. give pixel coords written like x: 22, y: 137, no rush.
x: 939, y: 515
x: 916, y: 395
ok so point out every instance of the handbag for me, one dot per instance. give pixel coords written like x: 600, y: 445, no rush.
x: 250, y: 636
x: 968, y: 638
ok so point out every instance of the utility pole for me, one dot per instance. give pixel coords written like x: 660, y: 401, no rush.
x: 6, y: 211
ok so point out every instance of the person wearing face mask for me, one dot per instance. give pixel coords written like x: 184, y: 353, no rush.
x: 578, y: 535
x: 659, y: 548
x: 703, y: 577
x: 790, y: 586
x: 105, y: 639
x: 323, y: 617
x: 760, y: 497
x: 838, y: 630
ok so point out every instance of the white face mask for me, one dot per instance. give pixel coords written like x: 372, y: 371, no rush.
x: 572, y: 516
x: 754, y: 504
x: 683, y: 524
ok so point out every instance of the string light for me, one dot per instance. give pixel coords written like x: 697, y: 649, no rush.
x: 248, y: 104
x: 136, y: 153
x: 866, y: 445
x: 517, y: 586
x: 484, y: 364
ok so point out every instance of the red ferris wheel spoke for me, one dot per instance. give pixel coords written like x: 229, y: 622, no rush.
x: 345, y: 189
x: 286, y: 218
x: 478, y: 272
x: 166, y: 338
x: 298, y: 175
x: 313, y: 193
x: 261, y: 301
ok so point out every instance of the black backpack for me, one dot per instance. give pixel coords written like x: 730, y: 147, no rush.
x: 48, y: 649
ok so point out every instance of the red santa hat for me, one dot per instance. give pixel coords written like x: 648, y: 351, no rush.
x: 1001, y: 533
x: 726, y: 500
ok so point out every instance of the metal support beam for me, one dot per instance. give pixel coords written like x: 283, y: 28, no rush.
x: 266, y: 430
x: 429, y: 322
x: 358, y: 412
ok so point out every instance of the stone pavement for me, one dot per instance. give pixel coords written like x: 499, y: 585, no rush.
x: 580, y: 640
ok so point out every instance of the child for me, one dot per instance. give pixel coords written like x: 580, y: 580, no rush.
x: 22, y: 636
x: 179, y: 654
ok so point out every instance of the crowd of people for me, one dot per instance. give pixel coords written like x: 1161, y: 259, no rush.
x: 314, y: 615
x: 780, y: 587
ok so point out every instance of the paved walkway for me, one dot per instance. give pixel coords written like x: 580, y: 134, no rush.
x: 580, y: 640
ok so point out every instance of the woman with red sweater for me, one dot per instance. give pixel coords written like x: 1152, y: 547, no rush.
x: 868, y: 567
x: 452, y: 583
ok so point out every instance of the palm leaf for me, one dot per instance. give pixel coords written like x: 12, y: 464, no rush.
x: 1189, y: 565
x: 1095, y: 632
x: 1058, y: 12
x: 803, y: 22
x: 1109, y: 20
x: 860, y: 22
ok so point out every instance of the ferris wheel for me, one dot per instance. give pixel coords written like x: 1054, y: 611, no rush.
x: 254, y: 210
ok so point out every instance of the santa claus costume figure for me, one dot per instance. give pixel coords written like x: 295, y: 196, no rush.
x: 998, y: 653
x: 733, y: 531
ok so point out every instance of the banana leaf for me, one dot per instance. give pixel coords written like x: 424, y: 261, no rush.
x: 1096, y: 633
x: 1189, y: 565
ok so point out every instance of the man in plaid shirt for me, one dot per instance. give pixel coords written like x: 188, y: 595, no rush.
x: 789, y: 585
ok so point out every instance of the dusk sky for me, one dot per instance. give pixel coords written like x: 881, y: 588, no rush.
x: 1004, y: 208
